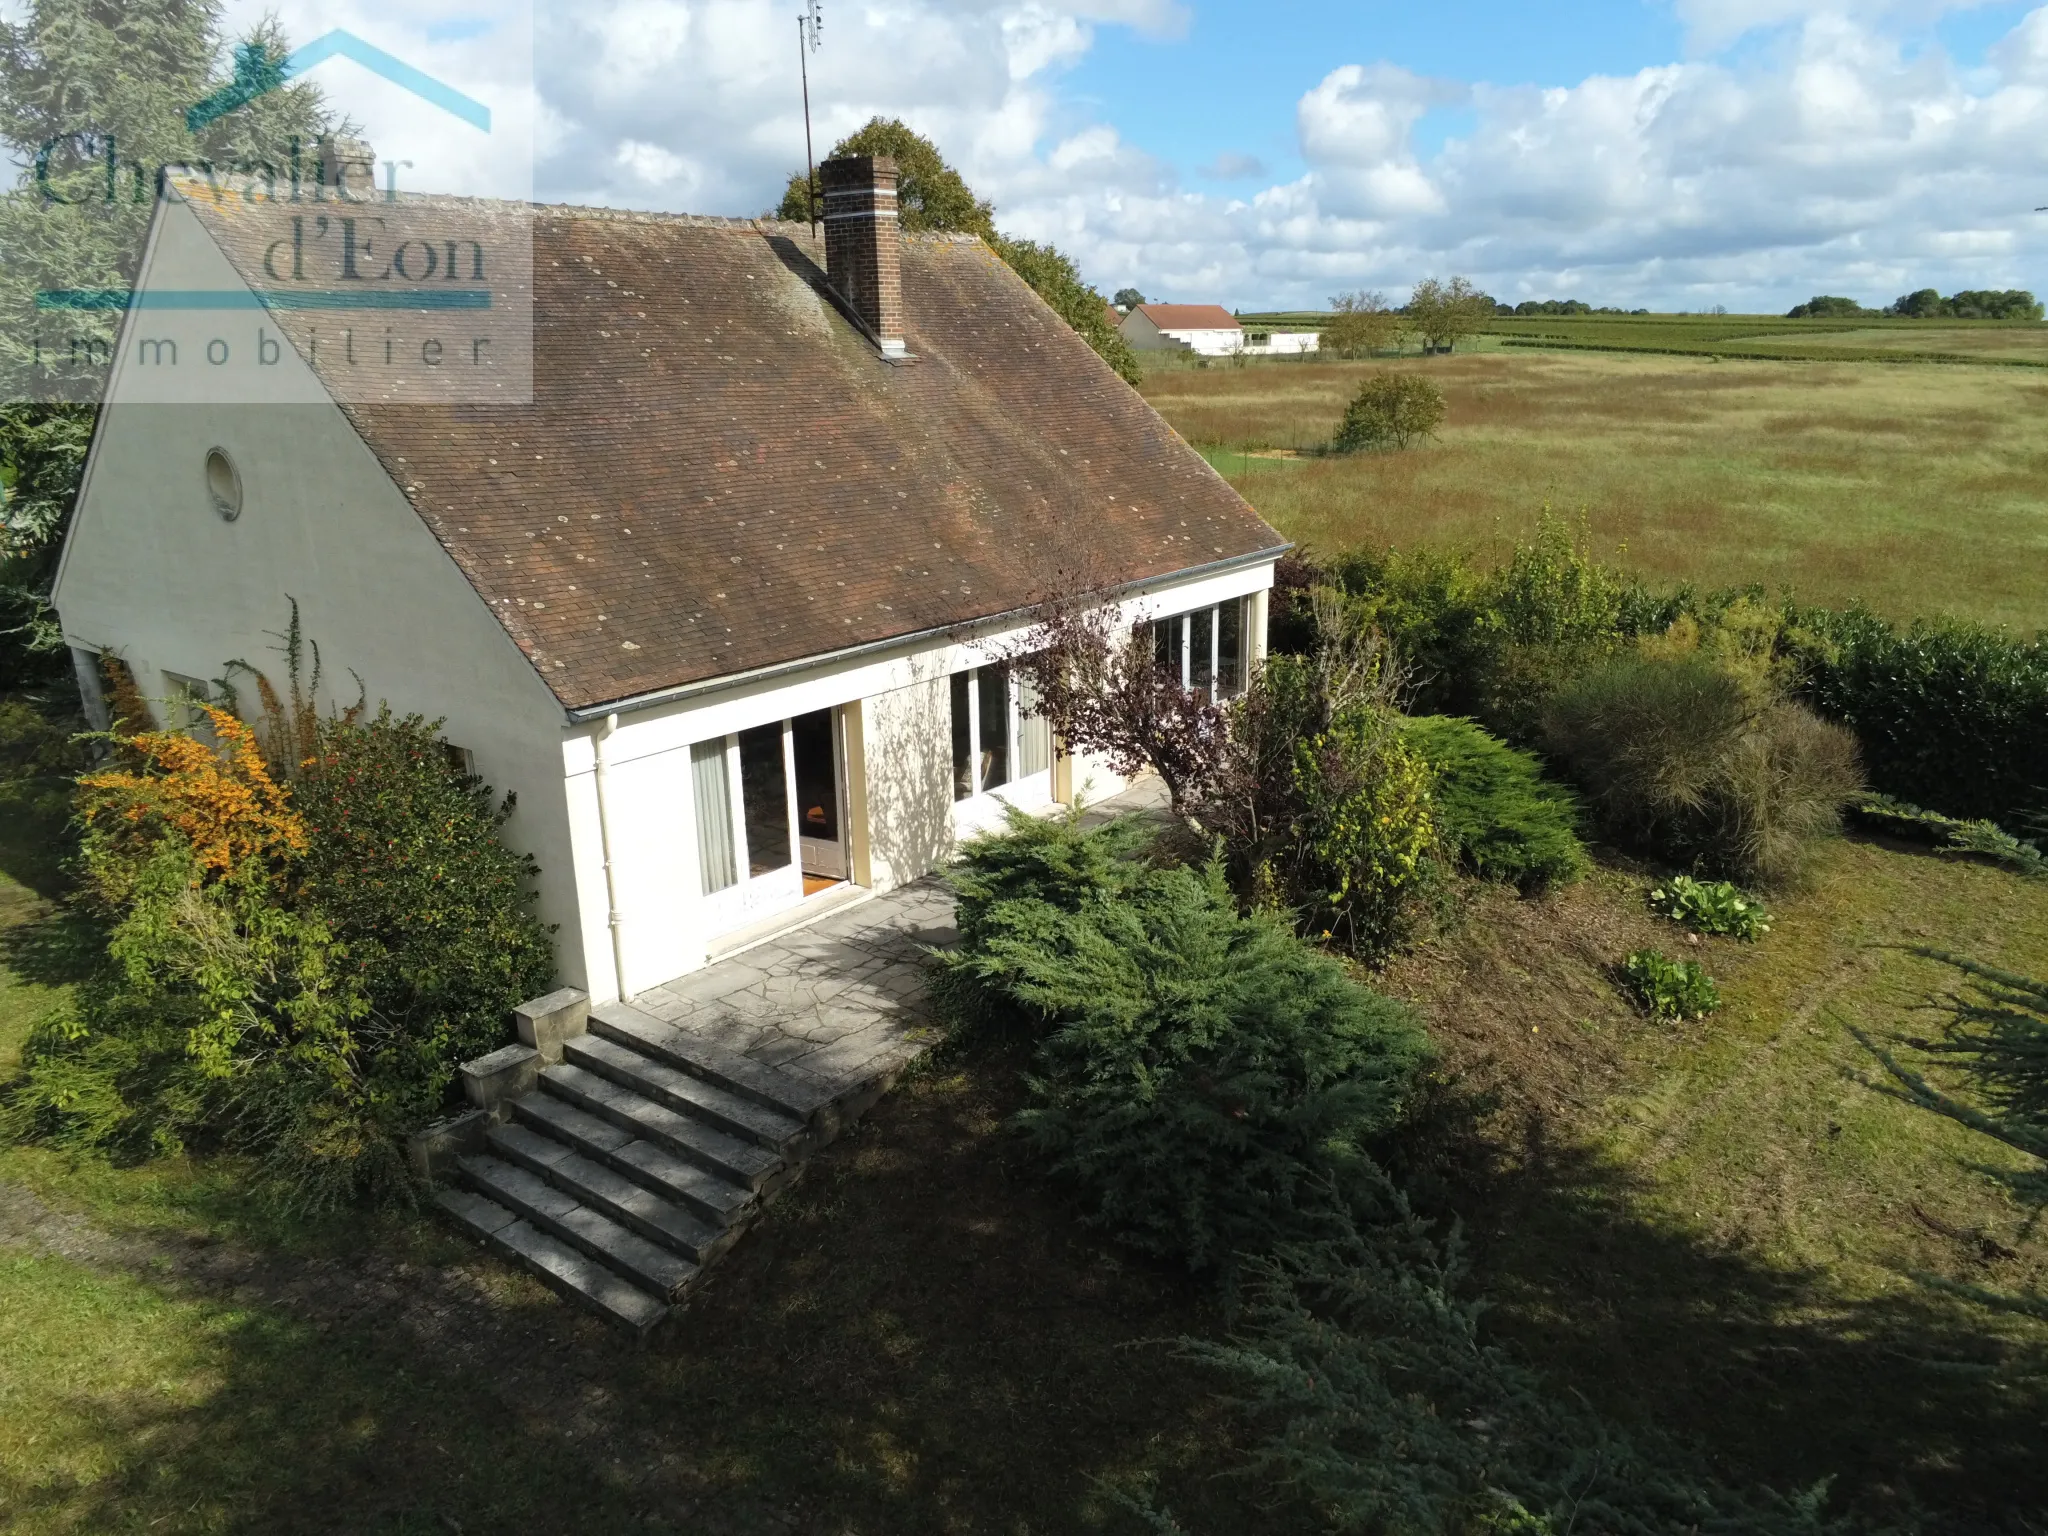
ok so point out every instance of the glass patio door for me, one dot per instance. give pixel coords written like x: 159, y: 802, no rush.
x: 742, y: 787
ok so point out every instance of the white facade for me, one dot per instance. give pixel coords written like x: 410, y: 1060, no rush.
x: 634, y: 857
x: 1145, y: 335
x: 1282, y: 343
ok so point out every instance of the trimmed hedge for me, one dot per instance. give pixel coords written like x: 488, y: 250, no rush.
x: 1949, y: 715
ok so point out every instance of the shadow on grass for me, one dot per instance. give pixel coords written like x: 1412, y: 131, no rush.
x: 1920, y: 1407
x: 915, y: 1338
x: 35, y: 836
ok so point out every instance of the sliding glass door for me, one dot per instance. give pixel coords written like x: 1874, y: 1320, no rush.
x: 771, y: 824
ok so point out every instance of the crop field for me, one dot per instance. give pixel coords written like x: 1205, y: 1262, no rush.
x: 1916, y: 489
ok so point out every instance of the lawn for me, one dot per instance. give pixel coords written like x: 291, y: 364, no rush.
x: 1708, y: 1228
x: 1915, y: 489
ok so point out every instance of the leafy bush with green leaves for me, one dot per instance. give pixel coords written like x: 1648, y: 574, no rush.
x: 1507, y: 821
x: 1670, y: 989
x: 1206, y: 1079
x: 406, y: 860
x: 1390, y: 410
x: 1716, y: 907
x: 1948, y: 714
x: 1321, y: 804
x: 1677, y: 756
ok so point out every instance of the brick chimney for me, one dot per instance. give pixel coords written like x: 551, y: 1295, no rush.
x: 864, y: 243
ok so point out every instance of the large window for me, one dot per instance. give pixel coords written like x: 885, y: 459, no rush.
x: 998, y: 737
x: 1205, y: 650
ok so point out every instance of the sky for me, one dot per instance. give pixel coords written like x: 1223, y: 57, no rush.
x: 1668, y: 154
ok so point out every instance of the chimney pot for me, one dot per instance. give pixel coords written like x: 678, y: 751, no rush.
x: 864, y: 243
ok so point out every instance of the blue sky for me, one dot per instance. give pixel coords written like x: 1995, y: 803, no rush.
x: 1663, y: 153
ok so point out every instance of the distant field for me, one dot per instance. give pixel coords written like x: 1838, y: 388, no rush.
x: 1915, y: 489
x: 2005, y: 342
x: 1771, y: 336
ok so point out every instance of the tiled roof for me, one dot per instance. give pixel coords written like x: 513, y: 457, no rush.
x: 718, y: 472
x: 1190, y: 317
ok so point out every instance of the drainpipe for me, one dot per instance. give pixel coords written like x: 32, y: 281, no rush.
x: 611, y: 879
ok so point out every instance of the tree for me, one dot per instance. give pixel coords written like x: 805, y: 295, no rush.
x: 1443, y: 313
x: 1391, y: 410
x: 1827, y: 306
x: 1128, y: 299
x: 1361, y: 324
x: 932, y: 196
x: 83, y: 83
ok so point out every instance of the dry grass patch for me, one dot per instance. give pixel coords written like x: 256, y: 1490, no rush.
x: 1914, y: 489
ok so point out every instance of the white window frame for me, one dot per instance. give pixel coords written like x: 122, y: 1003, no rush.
x: 1013, y: 737
x: 1186, y: 619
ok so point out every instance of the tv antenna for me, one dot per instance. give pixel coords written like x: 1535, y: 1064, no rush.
x: 808, y: 27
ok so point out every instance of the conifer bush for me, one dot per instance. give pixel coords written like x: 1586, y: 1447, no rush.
x: 1506, y: 820
x: 1207, y: 1080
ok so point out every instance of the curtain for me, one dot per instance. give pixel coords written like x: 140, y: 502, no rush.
x: 1034, y: 731
x: 711, y: 784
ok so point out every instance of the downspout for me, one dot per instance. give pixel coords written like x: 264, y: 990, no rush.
x: 604, y: 837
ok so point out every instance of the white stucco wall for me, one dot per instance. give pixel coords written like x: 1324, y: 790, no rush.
x: 906, y: 743
x: 153, y: 574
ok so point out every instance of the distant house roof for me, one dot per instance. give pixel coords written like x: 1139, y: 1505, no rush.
x: 718, y: 471
x: 1190, y: 317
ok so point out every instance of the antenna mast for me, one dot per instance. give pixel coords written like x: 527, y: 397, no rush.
x: 808, y: 26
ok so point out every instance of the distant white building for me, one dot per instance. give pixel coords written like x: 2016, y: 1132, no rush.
x: 1207, y: 330
x: 1281, y: 343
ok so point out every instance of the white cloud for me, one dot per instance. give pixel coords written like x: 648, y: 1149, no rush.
x: 1828, y: 157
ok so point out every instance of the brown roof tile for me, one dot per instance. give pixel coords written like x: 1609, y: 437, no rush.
x: 719, y: 473
x: 1190, y: 317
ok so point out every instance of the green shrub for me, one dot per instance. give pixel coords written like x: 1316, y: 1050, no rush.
x: 1677, y: 757
x: 1949, y: 715
x: 405, y: 860
x: 1716, y: 907
x: 1508, y: 822
x: 1206, y: 1079
x: 1362, y: 1369
x: 1670, y: 989
x: 1390, y: 410
x: 1321, y: 805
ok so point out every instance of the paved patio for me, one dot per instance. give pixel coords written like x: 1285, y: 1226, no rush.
x: 841, y: 999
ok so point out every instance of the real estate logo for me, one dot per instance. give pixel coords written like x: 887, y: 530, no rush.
x: 362, y: 236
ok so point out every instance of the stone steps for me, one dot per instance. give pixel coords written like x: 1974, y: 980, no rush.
x: 619, y: 1172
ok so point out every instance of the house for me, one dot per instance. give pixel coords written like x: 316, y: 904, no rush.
x: 1268, y: 341
x: 722, y: 589
x: 1207, y: 330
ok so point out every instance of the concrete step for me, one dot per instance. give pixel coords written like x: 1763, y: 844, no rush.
x: 718, y: 1200
x: 610, y: 1193
x: 580, y: 1279
x: 792, y: 1093
x: 750, y: 1166
x: 689, y: 1095
x: 561, y: 1215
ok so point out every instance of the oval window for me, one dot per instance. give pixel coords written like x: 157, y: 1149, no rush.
x: 223, y: 484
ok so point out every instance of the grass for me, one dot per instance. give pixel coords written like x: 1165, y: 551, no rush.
x: 916, y: 1338
x: 1913, y: 489
x: 1717, y: 1226
x: 1709, y: 1227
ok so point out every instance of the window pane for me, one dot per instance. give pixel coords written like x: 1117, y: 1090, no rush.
x: 1230, y: 648
x: 1165, y: 651
x: 994, y: 684
x: 1034, y: 732
x: 1201, y: 665
x: 817, y: 776
x: 963, y: 740
x: 764, y: 793
x: 711, y: 787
